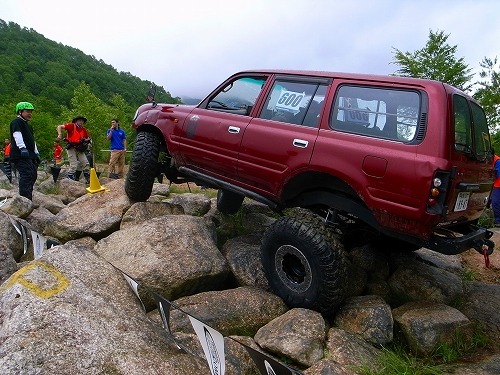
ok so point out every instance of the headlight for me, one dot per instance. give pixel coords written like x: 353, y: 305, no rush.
x: 135, y: 115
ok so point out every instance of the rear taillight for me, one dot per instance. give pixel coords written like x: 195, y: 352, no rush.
x: 437, y: 193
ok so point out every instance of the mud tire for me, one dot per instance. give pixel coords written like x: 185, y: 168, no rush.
x: 304, y: 262
x: 143, y: 167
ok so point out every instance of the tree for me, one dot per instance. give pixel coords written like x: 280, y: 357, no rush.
x: 489, y: 92
x: 435, y: 61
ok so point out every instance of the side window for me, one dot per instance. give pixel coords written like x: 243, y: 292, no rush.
x: 471, y: 129
x: 294, y: 103
x: 462, y: 122
x: 377, y: 112
x: 238, y: 96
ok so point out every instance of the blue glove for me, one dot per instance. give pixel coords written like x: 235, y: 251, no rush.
x: 24, y: 153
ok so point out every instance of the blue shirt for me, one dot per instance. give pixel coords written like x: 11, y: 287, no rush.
x: 117, y: 138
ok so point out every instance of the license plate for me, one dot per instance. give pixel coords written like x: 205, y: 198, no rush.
x: 462, y: 201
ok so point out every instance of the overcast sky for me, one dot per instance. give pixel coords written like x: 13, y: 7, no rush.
x: 190, y: 46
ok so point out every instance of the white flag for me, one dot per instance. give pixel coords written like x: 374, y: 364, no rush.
x: 213, y: 346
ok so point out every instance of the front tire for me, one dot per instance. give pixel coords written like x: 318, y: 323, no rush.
x: 143, y: 167
x: 305, y: 263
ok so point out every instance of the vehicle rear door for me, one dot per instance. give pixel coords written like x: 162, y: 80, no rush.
x: 279, y: 142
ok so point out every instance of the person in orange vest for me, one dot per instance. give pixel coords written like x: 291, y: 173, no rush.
x: 58, y: 151
x: 6, y: 149
x: 7, y: 167
x: 78, y: 140
x: 495, y: 194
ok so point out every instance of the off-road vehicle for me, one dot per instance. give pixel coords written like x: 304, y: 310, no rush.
x: 370, y: 159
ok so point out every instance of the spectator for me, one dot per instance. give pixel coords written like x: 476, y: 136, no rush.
x: 7, y: 168
x: 58, y: 153
x: 495, y: 194
x: 118, y: 147
x: 23, y: 150
x: 78, y: 140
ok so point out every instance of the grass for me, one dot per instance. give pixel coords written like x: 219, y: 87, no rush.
x: 398, y: 360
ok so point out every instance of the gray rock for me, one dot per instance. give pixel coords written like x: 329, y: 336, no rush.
x: 350, y: 350
x: 240, y: 311
x: 481, y: 303
x: 417, y: 281
x: 173, y: 255
x: 298, y: 334
x: 95, y: 215
x: 368, y: 316
x: 72, y: 313
x: 143, y: 211
x: 193, y: 204
x: 243, y: 256
x: 8, y: 264
x: 425, y: 325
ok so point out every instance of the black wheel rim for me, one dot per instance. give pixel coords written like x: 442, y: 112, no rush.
x: 293, y: 268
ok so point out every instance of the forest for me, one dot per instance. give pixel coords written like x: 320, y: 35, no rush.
x: 63, y: 82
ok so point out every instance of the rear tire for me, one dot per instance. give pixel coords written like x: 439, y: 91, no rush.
x: 305, y: 263
x: 143, y: 167
x: 228, y: 202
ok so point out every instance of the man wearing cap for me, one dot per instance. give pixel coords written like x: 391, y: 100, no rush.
x: 78, y: 139
x: 23, y: 150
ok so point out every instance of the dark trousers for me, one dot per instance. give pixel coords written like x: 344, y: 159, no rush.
x: 495, y: 204
x: 27, y: 170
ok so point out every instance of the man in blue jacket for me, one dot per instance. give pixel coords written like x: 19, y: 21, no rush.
x: 118, y: 147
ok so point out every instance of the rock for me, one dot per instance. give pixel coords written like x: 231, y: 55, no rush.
x: 240, y: 311
x: 177, y: 256
x: 421, y: 282
x: 72, y: 313
x: 143, y: 211
x: 368, y: 316
x: 425, y: 326
x: 193, y: 204
x: 298, y: 334
x: 8, y: 264
x: 243, y: 256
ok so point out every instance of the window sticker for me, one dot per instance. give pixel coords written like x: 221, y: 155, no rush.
x: 291, y: 101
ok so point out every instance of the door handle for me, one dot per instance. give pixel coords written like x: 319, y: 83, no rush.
x: 233, y: 129
x: 300, y: 143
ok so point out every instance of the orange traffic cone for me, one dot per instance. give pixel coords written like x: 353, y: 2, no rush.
x: 95, y: 185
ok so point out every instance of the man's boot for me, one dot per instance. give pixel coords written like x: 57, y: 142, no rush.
x: 86, y: 174
x: 77, y: 175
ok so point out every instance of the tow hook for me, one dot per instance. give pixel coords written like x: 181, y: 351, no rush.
x: 485, y: 248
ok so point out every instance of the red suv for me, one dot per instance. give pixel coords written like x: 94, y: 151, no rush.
x: 365, y: 158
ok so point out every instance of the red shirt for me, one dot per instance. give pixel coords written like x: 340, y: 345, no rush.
x: 58, y: 151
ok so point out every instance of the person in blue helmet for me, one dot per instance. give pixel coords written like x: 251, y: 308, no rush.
x: 24, y: 152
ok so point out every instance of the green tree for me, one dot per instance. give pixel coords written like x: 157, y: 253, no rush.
x: 488, y: 93
x: 435, y: 61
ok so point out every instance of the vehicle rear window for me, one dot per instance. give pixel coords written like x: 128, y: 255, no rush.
x: 377, y: 112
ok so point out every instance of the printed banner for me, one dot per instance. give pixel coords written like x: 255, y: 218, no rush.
x: 22, y: 231
x: 38, y: 244
x: 164, y: 309
x: 213, y: 346
x: 135, y: 287
x: 267, y: 365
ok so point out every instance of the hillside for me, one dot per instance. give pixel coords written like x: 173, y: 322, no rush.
x: 63, y: 82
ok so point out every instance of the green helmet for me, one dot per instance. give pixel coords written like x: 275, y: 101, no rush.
x: 23, y: 105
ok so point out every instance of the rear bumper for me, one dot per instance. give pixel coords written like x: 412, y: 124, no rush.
x: 470, y: 237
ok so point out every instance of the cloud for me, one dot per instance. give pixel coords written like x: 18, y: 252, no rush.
x: 189, y: 47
